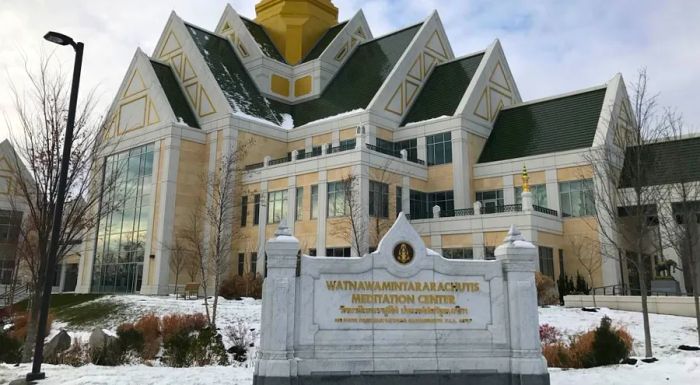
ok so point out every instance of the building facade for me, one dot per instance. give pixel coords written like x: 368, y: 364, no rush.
x: 443, y: 138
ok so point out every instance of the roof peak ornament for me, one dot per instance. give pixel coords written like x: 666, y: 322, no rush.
x: 513, y: 235
x: 283, y: 229
x: 526, y: 180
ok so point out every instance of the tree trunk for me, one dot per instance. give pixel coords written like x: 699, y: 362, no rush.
x: 177, y: 273
x: 33, y: 316
x: 696, y: 286
x: 645, y: 308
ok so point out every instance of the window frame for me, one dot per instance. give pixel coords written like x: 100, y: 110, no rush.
x: 439, y: 148
x: 277, y: 199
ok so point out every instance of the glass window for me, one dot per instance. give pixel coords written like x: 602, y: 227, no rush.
x: 458, y: 253
x: 244, y: 211
x: 547, y: 261
x: 347, y: 144
x: 419, y: 204
x: 256, y: 209
x: 378, y: 199
x: 314, y: 202
x: 241, y: 263
x: 490, y: 199
x: 399, y: 198
x: 121, y: 234
x: 410, y: 145
x: 337, y: 201
x: 254, y: 263
x: 338, y: 252
x: 444, y: 199
x: 439, y: 148
x: 539, y: 195
x: 276, y: 206
x: 576, y: 198
x: 299, y: 207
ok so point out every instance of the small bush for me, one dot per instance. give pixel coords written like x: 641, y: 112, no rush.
x: 581, y: 285
x: 239, y: 286
x: 76, y: 355
x: 21, y: 320
x: 549, y: 334
x: 11, y: 351
x: 149, y: 327
x: 242, y: 338
x: 546, y: 290
x: 604, y: 345
x: 194, y: 348
x: 130, y: 339
x: 173, y: 324
x: 608, y: 347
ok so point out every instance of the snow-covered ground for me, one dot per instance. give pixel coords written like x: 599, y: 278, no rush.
x: 668, y: 332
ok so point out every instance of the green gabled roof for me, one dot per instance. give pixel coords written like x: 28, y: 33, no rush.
x: 669, y: 162
x: 263, y: 39
x: 561, y: 124
x: 324, y: 41
x: 359, y: 79
x: 353, y: 86
x: 174, y: 93
x: 235, y: 82
x: 444, y: 89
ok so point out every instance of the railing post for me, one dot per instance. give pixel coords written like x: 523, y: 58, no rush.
x: 295, y: 155
x: 404, y: 154
x: 266, y: 161
x: 477, y: 208
x: 324, y: 149
x: 436, y: 211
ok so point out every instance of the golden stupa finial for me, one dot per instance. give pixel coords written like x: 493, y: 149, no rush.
x: 526, y: 180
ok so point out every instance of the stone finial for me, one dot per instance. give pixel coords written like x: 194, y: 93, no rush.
x: 477, y: 208
x: 266, y: 160
x: 295, y: 155
x: 513, y: 235
x: 436, y: 211
x: 404, y: 154
x: 283, y: 229
x: 526, y: 180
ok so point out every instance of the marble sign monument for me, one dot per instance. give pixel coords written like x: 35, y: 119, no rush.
x: 400, y: 315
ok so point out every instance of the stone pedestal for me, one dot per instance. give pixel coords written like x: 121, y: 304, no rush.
x: 666, y: 286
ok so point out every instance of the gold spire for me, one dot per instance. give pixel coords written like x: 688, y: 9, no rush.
x: 296, y: 25
x: 526, y: 180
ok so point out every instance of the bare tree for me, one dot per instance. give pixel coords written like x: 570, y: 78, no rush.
x: 210, y: 235
x: 41, y: 112
x: 587, y: 253
x: 624, y: 197
x: 681, y: 226
x: 178, y: 260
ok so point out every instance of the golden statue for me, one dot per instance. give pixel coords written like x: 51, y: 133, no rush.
x: 526, y: 180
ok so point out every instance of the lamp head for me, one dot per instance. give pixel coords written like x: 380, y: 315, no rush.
x: 58, y: 38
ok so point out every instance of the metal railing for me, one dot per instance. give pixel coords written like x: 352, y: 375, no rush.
x: 545, y: 210
x: 273, y: 162
x: 502, y: 209
x: 254, y: 166
x: 337, y: 149
x: 457, y: 213
x: 393, y: 153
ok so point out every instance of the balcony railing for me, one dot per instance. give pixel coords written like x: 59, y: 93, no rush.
x: 273, y: 162
x: 457, y: 213
x: 393, y: 153
x: 254, y: 166
x: 337, y: 149
x: 545, y: 210
x: 502, y: 209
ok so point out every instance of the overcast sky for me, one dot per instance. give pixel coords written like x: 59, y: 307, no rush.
x: 552, y: 46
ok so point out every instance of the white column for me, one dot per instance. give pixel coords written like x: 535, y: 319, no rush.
x: 461, y: 169
x: 508, y: 190
x: 406, y: 195
x: 519, y: 265
x: 262, y: 227
x: 277, y: 318
x: 478, y: 245
x: 291, y: 202
x: 335, y: 138
x: 166, y: 218
x: 361, y: 172
x: 552, y: 190
x: 322, y: 212
x: 422, y: 149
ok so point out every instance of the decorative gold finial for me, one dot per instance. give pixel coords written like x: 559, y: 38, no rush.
x: 526, y: 180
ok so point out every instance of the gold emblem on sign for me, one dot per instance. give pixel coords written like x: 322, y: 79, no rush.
x: 403, y: 253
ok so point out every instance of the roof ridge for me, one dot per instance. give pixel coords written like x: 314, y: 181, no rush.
x: 556, y: 97
x: 393, y: 33
x: 463, y: 57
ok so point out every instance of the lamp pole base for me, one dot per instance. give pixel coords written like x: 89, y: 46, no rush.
x: 35, y: 376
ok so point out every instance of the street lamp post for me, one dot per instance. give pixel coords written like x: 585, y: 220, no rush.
x: 57, y: 38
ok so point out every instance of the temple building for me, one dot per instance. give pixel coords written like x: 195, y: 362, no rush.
x: 316, y: 102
